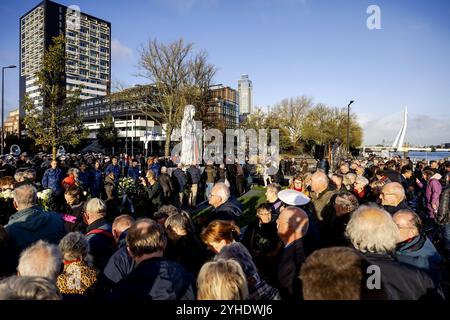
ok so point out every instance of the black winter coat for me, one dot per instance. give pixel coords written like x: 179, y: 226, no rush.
x: 401, y: 281
x: 444, y: 207
x: 155, y: 279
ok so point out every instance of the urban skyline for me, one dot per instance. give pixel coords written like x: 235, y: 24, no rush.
x: 376, y: 68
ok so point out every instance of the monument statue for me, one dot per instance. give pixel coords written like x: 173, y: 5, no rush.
x: 189, y: 144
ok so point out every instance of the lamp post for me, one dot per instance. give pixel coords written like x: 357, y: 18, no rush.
x: 348, y: 126
x: 3, y: 102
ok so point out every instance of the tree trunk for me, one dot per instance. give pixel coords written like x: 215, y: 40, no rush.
x: 168, y: 140
x: 53, y: 152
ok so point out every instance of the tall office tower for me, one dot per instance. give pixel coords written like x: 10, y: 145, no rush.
x: 245, y: 91
x: 88, y: 49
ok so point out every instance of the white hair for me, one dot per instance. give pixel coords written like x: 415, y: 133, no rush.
x: 372, y: 229
x: 96, y: 205
x: 362, y: 180
x: 40, y: 260
x: 163, y: 169
x: 19, y: 176
x: 223, y: 191
x: 25, y: 196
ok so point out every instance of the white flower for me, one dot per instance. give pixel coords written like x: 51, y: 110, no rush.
x: 7, y: 194
x: 45, y: 194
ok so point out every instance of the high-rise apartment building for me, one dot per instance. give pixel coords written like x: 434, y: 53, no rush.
x: 245, y: 91
x: 223, y: 110
x: 88, y: 49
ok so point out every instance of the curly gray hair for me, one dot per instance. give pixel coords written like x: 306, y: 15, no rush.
x: 372, y: 229
x: 74, y: 246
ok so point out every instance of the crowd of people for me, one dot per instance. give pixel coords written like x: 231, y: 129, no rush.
x: 124, y: 229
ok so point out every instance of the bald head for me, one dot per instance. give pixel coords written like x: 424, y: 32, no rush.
x: 392, y: 194
x: 292, y: 224
x: 408, y: 223
x: 121, y: 224
x: 319, y: 182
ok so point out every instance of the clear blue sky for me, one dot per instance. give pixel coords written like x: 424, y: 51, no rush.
x: 319, y: 48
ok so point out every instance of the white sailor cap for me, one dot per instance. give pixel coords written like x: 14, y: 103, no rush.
x: 293, y: 198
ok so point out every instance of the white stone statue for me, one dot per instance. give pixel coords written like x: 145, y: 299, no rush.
x: 189, y: 143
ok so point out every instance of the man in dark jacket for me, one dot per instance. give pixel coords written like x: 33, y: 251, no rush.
x: 154, y: 278
x: 391, y: 173
x: 99, y: 232
x: 225, y: 208
x: 30, y: 223
x: 166, y: 184
x: 321, y: 199
x: 111, y: 191
x: 179, y: 181
x: 292, y: 225
x: 393, y: 198
x: 415, y: 248
x: 194, y: 178
x: 373, y: 232
x: 154, y: 191
x: 134, y: 171
x: 52, y: 179
x: 96, y: 181
x: 115, y: 168
x: 121, y: 263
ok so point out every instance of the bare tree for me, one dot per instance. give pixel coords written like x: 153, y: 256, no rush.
x: 178, y: 77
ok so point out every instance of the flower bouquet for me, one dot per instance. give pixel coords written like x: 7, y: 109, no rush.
x: 45, y: 199
x: 6, y: 195
x: 126, y: 186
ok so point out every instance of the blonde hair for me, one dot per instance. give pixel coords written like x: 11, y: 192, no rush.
x: 372, y: 229
x: 222, y: 280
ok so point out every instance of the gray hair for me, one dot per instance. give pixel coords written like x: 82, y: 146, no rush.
x: 40, y: 260
x: 96, y: 205
x: 347, y: 200
x: 25, y: 196
x: 74, y: 246
x: 180, y: 220
x: 30, y: 174
x: 28, y: 288
x: 19, y: 176
x: 362, y: 180
x: 372, y: 229
x: 237, y: 251
x: 163, y: 169
x: 275, y: 187
x: 223, y: 191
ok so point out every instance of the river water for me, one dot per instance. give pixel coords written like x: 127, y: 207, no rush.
x: 427, y: 156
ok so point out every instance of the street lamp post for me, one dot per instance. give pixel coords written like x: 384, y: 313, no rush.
x: 348, y: 126
x: 3, y: 102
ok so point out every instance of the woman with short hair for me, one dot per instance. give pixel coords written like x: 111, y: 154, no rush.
x: 222, y: 280
x: 78, y: 276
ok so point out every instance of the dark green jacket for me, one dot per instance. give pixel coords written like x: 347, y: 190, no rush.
x: 32, y: 224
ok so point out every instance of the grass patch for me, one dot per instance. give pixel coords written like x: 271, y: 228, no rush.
x: 250, y: 201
